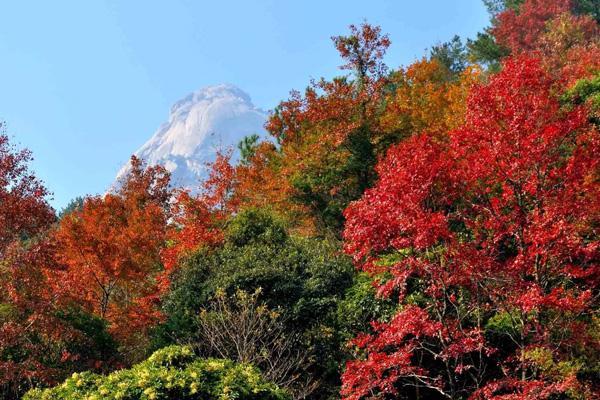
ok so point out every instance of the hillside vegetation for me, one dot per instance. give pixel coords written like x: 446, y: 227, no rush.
x: 428, y: 231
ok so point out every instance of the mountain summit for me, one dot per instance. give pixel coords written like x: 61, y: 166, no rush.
x: 211, y: 119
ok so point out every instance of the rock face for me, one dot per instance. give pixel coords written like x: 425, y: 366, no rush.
x: 201, y: 124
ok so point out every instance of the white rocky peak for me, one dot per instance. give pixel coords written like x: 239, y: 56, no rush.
x: 211, y: 119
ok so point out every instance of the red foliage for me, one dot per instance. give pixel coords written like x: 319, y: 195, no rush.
x: 497, y: 221
x: 520, y: 31
x: 331, y: 106
x: 34, y: 341
x: 24, y: 211
x: 37, y: 345
x: 363, y: 50
x: 569, y: 44
x: 580, y: 62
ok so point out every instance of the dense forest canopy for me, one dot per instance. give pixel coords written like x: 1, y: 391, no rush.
x: 428, y: 231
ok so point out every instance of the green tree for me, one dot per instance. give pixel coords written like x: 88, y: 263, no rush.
x: 302, y: 279
x: 485, y: 50
x: 585, y: 91
x: 590, y: 7
x: 75, y: 204
x: 247, y: 147
x: 451, y: 54
x: 360, y: 306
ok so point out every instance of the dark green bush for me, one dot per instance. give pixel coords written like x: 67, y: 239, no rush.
x: 302, y: 279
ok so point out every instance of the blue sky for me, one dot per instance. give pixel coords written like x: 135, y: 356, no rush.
x: 84, y: 83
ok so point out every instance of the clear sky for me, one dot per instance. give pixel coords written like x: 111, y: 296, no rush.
x: 84, y: 83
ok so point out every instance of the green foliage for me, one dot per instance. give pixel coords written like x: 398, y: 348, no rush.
x: 328, y: 189
x: 247, y: 147
x: 74, y: 205
x: 360, y: 306
x: 495, y: 7
x: 585, y: 91
x: 590, y: 7
x: 190, y: 289
x: 302, y: 278
x: 99, y: 345
x: 502, y: 323
x: 254, y: 226
x: 170, y: 373
x: 485, y: 50
x: 452, y: 54
x: 7, y: 312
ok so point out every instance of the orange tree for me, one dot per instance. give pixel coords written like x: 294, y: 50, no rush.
x: 40, y: 342
x: 198, y: 218
x: 110, y: 251
x: 329, y: 137
x: 25, y: 211
x: 24, y: 214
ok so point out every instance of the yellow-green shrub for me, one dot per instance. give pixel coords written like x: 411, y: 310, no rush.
x: 174, y: 372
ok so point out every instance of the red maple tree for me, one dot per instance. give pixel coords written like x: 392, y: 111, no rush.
x: 569, y: 44
x: 490, y: 242
x: 24, y: 211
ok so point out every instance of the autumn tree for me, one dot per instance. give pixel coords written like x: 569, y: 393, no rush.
x: 327, y: 155
x: 329, y: 137
x: 40, y: 342
x: 489, y: 242
x: 111, y: 247
x: 424, y: 96
x: 266, y: 169
x: 519, y: 29
x: 198, y: 217
x: 25, y: 211
x: 566, y: 32
x: 24, y: 214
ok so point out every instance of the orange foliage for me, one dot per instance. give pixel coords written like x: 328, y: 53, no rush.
x: 30, y: 323
x: 262, y: 185
x: 580, y: 62
x: 35, y: 342
x: 110, y: 250
x: 427, y: 98
x: 198, y: 220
